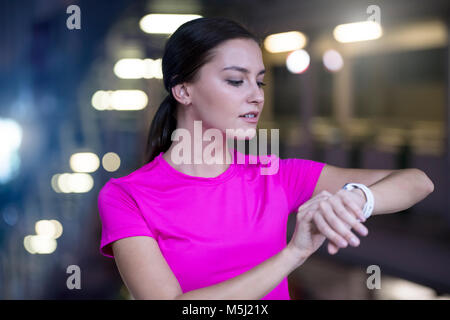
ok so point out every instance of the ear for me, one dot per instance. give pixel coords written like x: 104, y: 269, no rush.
x: 181, y: 94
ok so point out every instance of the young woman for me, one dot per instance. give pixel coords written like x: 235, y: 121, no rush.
x: 218, y: 230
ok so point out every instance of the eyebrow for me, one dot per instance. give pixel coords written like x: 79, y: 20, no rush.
x: 241, y: 69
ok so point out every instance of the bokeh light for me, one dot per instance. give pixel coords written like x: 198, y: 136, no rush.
x: 164, y: 23
x: 84, y: 162
x: 11, y: 138
x: 298, y: 61
x: 357, y: 31
x: 138, y: 69
x: 285, y: 41
x: 111, y: 161
x: 332, y: 60
x: 72, y: 182
x: 120, y: 100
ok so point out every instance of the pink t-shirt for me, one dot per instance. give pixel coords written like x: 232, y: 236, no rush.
x: 209, y: 229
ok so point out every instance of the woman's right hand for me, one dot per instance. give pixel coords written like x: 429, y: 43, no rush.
x: 309, y: 235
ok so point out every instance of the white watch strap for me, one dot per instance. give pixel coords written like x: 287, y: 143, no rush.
x: 368, y: 207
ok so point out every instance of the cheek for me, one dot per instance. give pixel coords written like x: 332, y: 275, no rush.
x: 215, y: 114
x: 221, y: 106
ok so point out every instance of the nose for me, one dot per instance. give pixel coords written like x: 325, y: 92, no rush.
x: 257, y: 95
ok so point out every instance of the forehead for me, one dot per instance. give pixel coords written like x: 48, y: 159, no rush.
x: 244, y: 53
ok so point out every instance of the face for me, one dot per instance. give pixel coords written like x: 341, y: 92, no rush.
x: 229, y: 86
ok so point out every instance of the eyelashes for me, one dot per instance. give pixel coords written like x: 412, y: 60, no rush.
x: 238, y: 83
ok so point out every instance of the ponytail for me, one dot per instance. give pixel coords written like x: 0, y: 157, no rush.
x: 163, y: 124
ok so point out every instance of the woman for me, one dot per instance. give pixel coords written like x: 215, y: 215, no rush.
x: 197, y: 230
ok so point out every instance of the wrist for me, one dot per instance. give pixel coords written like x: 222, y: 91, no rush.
x: 295, y: 256
x: 362, y: 197
x: 369, y: 198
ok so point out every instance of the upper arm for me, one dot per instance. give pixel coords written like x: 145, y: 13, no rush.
x: 333, y: 178
x: 144, y: 270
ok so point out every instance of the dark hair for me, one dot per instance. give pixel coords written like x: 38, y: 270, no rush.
x: 187, y: 49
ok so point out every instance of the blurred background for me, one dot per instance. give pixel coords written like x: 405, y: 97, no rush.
x: 361, y: 84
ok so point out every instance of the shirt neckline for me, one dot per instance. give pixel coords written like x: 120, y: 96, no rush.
x: 224, y: 176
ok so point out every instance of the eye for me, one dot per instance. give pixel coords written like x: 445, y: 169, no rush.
x: 239, y: 82
x: 235, y: 83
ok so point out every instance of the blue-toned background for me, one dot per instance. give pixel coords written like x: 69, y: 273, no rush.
x: 385, y: 107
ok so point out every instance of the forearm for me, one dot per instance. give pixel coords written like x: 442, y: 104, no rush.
x: 253, y: 284
x: 398, y: 191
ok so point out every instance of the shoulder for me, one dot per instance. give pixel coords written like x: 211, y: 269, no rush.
x: 300, y: 170
x: 147, y: 174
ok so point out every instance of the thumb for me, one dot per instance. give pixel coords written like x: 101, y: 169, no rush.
x: 306, y: 223
x: 306, y: 216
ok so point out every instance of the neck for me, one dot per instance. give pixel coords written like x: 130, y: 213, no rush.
x: 203, y: 160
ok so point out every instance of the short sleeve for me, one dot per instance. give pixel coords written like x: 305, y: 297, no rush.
x: 120, y: 216
x: 299, y: 178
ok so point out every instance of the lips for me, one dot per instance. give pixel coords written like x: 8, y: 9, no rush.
x: 255, y: 113
x: 252, y: 120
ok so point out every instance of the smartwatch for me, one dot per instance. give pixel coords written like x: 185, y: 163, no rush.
x: 368, y: 207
